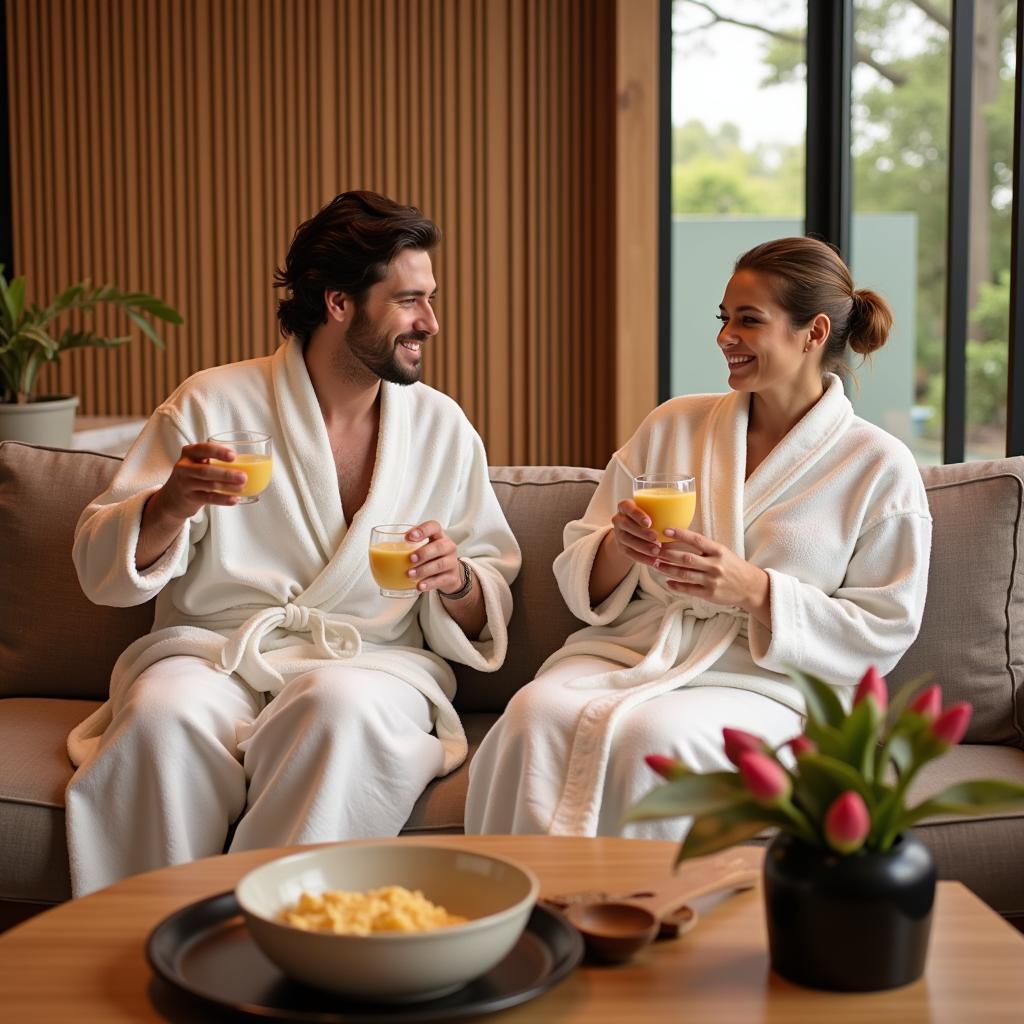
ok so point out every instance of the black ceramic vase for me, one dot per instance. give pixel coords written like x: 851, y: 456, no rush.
x: 850, y: 924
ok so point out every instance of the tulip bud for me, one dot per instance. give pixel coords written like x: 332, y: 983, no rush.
x: 928, y: 703
x: 801, y: 745
x: 666, y: 767
x: 847, y: 822
x: 765, y: 777
x: 951, y: 725
x: 738, y: 742
x: 872, y: 684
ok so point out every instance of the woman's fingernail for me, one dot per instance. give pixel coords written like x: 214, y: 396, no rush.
x: 415, y: 535
x: 414, y: 558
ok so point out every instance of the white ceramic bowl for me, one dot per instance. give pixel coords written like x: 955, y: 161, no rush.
x: 495, y: 894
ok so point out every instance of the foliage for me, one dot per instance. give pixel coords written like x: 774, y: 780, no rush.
x: 842, y: 785
x: 28, y: 337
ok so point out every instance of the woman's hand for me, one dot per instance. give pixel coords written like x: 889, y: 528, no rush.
x: 632, y: 534
x: 696, y: 565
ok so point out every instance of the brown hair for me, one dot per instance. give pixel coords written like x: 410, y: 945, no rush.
x: 346, y: 247
x: 809, y: 277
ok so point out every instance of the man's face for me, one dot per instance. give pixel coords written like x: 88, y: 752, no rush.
x: 396, y: 317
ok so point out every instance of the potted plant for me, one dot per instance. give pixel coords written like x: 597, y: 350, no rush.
x: 28, y: 339
x: 848, y: 889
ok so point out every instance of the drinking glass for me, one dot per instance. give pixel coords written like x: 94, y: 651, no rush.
x: 389, y: 559
x: 253, y: 457
x: 670, y: 499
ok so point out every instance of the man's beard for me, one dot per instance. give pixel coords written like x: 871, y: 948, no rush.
x: 374, y: 350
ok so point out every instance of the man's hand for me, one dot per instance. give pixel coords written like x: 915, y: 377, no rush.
x: 436, y: 563
x: 192, y: 484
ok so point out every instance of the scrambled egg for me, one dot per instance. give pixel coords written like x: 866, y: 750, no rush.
x: 392, y: 908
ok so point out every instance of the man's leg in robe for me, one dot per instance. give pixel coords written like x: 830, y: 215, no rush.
x: 686, y: 724
x: 517, y: 774
x: 339, y: 753
x: 165, y: 784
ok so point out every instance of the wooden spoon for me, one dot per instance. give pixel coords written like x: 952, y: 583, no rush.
x: 615, y: 930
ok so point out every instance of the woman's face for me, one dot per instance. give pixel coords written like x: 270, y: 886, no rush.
x: 762, y: 348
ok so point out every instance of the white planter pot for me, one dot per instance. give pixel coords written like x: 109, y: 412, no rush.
x: 46, y: 420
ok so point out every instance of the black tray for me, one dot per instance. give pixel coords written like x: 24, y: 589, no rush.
x: 205, y: 951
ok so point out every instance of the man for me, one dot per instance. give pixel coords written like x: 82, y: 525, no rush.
x: 279, y: 689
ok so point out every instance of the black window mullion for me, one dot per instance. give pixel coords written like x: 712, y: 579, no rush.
x: 1015, y: 384
x: 828, y: 174
x: 954, y: 420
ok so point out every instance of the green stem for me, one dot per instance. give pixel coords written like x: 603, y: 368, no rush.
x: 801, y: 824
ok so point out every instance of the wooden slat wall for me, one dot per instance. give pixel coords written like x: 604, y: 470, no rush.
x: 174, y: 145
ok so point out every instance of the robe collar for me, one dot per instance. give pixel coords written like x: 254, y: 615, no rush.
x: 728, y: 502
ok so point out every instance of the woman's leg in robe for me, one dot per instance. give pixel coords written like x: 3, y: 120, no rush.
x: 685, y: 724
x: 166, y: 783
x: 339, y: 753
x: 517, y: 774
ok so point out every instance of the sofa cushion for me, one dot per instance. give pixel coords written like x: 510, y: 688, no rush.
x: 538, y: 501
x: 53, y: 641
x: 972, y: 636
x: 34, y: 772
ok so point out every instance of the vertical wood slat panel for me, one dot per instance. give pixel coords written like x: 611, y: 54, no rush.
x: 173, y: 146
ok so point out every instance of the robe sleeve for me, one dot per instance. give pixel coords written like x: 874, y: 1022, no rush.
x: 581, y: 539
x: 107, y: 534
x: 484, y: 539
x: 872, y: 618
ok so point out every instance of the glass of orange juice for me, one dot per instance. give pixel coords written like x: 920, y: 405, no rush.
x: 253, y: 456
x: 389, y: 559
x: 670, y: 499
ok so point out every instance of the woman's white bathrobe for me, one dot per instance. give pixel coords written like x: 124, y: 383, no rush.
x: 836, y: 514
x: 273, y: 589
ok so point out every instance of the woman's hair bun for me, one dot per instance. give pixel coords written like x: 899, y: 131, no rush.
x: 870, y: 322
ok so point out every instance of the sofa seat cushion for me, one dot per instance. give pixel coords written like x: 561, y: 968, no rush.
x: 972, y: 636
x: 983, y: 852
x: 441, y: 806
x: 34, y: 771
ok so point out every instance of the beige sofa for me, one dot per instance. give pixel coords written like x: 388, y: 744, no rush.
x: 56, y: 651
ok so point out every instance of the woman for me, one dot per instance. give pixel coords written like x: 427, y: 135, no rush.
x: 809, y: 548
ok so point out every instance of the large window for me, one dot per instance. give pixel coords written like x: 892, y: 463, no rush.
x: 738, y: 150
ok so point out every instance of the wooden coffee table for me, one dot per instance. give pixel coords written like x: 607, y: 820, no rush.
x: 84, y: 960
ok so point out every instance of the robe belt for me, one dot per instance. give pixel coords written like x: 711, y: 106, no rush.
x: 333, y: 640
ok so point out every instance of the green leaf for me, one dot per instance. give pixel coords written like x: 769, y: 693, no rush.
x: 828, y: 777
x: 975, y: 797
x: 154, y: 307
x: 828, y: 739
x: 713, y: 832
x: 86, y: 339
x: 823, y: 706
x: 690, y: 795
x: 860, y: 730
x: 145, y: 326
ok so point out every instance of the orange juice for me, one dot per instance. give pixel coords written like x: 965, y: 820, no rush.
x: 669, y: 508
x: 389, y: 562
x: 257, y: 469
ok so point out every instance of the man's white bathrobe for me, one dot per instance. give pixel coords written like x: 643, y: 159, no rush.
x: 837, y: 516
x: 262, y: 594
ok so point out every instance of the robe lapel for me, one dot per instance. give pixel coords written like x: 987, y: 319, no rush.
x: 799, y: 450
x: 723, y: 463
x: 308, y: 447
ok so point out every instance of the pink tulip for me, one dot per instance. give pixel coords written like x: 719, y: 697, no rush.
x: 928, y: 703
x: 738, y: 742
x: 666, y: 767
x: 765, y: 777
x: 801, y: 745
x: 872, y: 684
x: 847, y: 823
x: 951, y: 725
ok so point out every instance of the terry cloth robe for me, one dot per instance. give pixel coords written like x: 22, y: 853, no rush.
x: 270, y: 589
x: 837, y: 516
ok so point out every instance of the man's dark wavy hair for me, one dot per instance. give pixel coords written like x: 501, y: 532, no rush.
x: 346, y: 246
